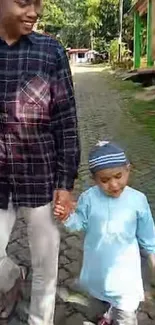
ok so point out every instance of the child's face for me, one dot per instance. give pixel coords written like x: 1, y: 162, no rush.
x: 112, y: 180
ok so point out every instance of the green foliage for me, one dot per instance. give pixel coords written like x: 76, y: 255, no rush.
x: 142, y: 111
x: 126, y: 61
x: 113, y: 50
x: 109, y: 17
x: 86, y: 23
x: 100, y: 44
x: 53, y: 16
x: 92, y: 13
x: 128, y: 29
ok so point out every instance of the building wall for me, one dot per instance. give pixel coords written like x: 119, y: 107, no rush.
x: 75, y: 59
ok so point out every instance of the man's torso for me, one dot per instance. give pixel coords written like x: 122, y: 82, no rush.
x: 27, y: 147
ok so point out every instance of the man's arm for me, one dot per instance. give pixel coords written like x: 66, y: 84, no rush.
x: 64, y: 125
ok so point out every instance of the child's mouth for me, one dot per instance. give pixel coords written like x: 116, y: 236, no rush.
x: 116, y: 193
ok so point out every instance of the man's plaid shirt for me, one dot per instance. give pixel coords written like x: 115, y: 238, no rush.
x: 39, y: 147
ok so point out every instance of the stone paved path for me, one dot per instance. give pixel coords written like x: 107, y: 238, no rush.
x: 102, y: 115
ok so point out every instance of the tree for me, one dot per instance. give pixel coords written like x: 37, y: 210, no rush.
x: 86, y: 23
x: 72, y: 20
x: 109, y: 16
x: 53, y: 17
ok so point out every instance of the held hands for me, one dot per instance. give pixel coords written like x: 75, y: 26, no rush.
x: 63, y: 204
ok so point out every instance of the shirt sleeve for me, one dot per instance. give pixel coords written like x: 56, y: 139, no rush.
x: 146, y: 228
x: 78, y: 221
x: 64, y: 124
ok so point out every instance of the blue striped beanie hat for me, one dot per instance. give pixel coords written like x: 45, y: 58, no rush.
x: 106, y: 155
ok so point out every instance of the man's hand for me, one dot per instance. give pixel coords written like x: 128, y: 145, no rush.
x: 65, y: 199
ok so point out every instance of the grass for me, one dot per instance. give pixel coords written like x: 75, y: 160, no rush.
x: 143, y: 111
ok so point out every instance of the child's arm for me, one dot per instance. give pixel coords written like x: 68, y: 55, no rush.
x: 146, y: 235
x: 151, y: 260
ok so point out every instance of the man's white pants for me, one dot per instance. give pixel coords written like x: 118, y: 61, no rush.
x: 44, y: 239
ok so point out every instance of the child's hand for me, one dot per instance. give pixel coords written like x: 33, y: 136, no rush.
x: 61, y: 212
x: 151, y: 260
x: 148, y: 305
x: 152, y: 288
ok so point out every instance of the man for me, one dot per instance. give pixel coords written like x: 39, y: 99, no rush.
x: 39, y: 149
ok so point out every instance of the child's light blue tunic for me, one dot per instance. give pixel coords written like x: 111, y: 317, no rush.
x: 114, y: 229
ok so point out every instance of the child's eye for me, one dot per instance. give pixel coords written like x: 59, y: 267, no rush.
x: 118, y: 176
x: 104, y: 181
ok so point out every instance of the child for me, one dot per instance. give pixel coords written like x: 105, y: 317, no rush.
x: 117, y: 220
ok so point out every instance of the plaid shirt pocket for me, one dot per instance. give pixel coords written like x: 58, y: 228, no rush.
x: 34, y: 100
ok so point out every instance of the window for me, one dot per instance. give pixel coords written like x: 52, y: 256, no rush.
x: 81, y: 55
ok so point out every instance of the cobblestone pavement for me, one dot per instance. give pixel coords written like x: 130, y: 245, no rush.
x: 102, y: 115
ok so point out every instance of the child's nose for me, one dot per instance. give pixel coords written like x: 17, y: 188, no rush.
x: 114, y: 184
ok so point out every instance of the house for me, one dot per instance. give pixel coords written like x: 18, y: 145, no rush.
x: 77, y: 55
x: 140, y: 9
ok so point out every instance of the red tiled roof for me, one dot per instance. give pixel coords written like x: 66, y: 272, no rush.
x: 71, y: 51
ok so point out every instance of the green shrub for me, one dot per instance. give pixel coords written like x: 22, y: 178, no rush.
x: 126, y: 60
